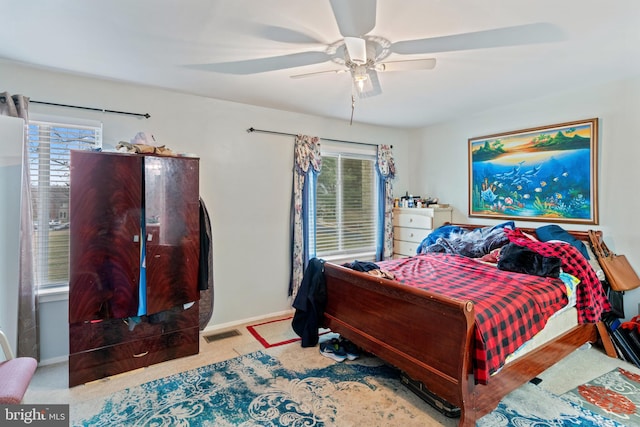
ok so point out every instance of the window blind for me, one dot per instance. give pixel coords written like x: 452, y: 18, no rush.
x: 346, y: 205
x: 49, y: 146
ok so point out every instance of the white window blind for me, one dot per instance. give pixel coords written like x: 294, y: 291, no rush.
x: 346, y: 204
x: 49, y: 147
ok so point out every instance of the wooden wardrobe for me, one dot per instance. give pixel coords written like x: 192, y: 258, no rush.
x: 134, y: 254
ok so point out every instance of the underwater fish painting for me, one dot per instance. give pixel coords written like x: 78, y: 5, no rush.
x: 539, y: 174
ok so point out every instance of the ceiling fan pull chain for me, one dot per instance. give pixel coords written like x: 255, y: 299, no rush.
x: 353, y: 107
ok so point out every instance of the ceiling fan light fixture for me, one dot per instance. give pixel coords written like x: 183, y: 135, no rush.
x: 379, y: 67
x: 360, y: 76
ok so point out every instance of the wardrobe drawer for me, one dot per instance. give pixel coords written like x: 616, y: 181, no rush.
x: 111, y: 360
x: 413, y: 221
x: 405, y: 248
x: 89, y: 335
x: 410, y: 234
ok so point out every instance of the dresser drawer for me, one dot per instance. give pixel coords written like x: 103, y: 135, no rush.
x: 413, y: 221
x: 405, y: 248
x: 410, y: 234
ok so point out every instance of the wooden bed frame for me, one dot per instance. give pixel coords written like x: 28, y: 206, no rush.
x: 430, y: 337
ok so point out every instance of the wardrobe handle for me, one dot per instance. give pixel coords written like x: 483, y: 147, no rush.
x: 149, y: 237
x: 141, y: 354
x: 136, y: 238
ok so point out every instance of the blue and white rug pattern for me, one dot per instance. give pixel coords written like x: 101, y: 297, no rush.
x: 252, y: 390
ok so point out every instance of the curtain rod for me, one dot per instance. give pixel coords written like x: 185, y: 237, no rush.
x: 145, y: 115
x: 251, y: 129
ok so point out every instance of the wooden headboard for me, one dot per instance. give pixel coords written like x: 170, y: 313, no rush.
x: 582, y: 235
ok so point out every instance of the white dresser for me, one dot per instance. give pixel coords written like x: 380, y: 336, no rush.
x: 412, y: 225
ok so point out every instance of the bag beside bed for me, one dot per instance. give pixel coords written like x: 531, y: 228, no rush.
x: 619, y: 273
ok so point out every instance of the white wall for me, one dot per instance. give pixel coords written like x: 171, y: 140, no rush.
x: 440, y: 164
x: 245, y: 179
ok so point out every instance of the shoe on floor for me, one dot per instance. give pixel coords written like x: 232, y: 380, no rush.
x: 352, y: 350
x: 333, y: 350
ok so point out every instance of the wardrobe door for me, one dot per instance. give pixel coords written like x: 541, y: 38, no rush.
x: 172, y: 231
x: 105, y: 197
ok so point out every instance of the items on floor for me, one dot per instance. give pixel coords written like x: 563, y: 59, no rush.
x: 339, y: 349
x: 625, y: 337
x: 438, y: 403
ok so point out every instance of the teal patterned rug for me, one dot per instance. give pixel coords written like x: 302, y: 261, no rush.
x: 300, y: 387
x: 257, y: 390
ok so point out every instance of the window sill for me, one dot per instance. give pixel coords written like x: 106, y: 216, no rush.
x: 344, y: 258
x: 58, y: 293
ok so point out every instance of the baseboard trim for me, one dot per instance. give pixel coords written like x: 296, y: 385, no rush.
x: 53, y: 360
x: 214, y: 328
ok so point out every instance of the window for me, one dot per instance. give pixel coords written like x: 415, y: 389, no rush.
x: 346, y: 203
x: 49, y: 145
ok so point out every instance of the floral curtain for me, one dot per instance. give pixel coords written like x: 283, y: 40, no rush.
x: 386, y: 173
x: 307, y: 163
x: 28, y: 341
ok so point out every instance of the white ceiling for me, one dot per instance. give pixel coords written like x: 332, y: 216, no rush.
x: 166, y: 43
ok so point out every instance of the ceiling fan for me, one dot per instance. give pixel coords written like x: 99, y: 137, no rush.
x: 364, y: 55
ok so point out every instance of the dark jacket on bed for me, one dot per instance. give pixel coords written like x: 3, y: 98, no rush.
x: 310, y: 303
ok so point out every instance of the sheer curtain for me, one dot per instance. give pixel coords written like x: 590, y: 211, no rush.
x: 28, y: 341
x: 307, y: 163
x: 386, y: 173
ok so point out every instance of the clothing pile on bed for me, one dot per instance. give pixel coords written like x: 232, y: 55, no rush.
x: 476, y: 243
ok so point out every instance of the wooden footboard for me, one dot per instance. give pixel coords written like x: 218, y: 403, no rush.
x: 426, y: 335
x: 430, y: 337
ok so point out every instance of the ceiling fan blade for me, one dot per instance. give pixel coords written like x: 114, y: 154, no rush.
x: 357, y: 49
x: 317, y: 73
x: 369, y: 87
x: 355, y: 18
x: 408, y: 65
x: 286, y: 35
x: 262, y: 65
x: 499, y: 37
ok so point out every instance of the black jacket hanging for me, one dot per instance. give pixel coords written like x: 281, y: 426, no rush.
x: 205, y: 267
x: 205, y: 271
x: 310, y: 303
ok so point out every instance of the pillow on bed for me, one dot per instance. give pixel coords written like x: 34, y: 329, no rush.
x: 555, y: 232
x: 520, y: 259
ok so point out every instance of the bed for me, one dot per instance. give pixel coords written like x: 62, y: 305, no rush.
x: 433, y: 337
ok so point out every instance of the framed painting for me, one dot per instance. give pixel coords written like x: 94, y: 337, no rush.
x: 546, y: 173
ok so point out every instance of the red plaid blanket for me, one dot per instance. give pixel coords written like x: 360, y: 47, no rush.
x: 591, y: 301
x: 510, y: 308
